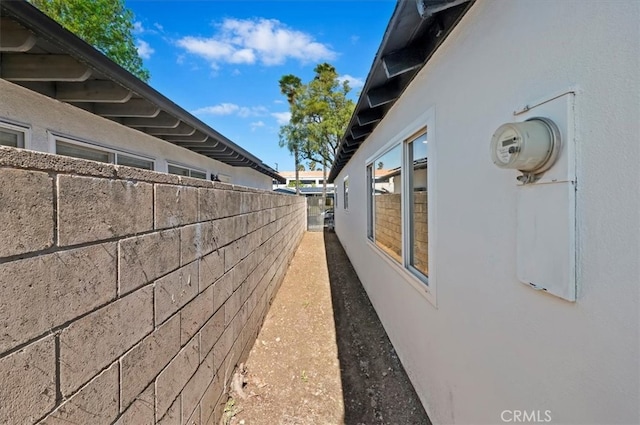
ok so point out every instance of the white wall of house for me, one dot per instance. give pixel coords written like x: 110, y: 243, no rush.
x: 44, y: 116
x: 482, y: 342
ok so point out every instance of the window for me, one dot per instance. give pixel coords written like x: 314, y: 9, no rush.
x: 397, y: 203
x: 187, y: 172
x: 386, y: 202
x: 75, y: 149
x: 345, y: 193
x: 418, y: 256
x: 12, y: 135
x: 370, y: 188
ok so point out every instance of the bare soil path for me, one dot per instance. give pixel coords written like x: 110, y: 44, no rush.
x: 322, y: 356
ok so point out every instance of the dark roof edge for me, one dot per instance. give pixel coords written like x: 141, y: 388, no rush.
x: 377, y: 62
x: 42, y: 25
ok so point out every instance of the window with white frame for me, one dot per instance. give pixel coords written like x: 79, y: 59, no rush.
x: 345, y: 193
x: 397, y: 203
x: 13, y: 135
x: 76, y: 149
x: 187, y: 172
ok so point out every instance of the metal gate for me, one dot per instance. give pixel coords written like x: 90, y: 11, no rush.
x: 315, y: 213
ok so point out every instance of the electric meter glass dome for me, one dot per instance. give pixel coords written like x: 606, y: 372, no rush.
x: 530, y: 146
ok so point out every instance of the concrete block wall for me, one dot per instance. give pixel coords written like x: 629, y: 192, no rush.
x: 128, y: 296
x: 389, y: 227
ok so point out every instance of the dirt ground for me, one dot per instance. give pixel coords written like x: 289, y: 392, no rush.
x: 322, y: 355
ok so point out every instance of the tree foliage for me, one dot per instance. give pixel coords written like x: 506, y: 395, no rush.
x: 290, y: 86
x: 105, y: 24
x: 320, y: 112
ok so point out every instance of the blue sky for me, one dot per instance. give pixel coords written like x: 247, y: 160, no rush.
x: 221, y: 60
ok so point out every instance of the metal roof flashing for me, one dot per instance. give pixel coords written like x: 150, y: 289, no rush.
x: 415, y: 31
x: 39, y: 54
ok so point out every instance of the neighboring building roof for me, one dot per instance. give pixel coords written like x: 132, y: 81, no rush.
x: 39, y: 54
x: 302, y: 174
x: 415, y: 31
x: 317, y: 190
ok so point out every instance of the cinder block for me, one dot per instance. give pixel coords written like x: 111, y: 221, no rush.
x: 91, y: 208
x: 240, y: 226
x: 211, y: 331
x: 196, y: 387
x: 173, y: 415
x: 91, y: 343
x: 211, y: 398
x: 232, y: 306
x: 221, y: 349
x: 200, y: 239
x: 141, y: 410
x: 174, y: 377
x: 175, y: 290
x: 26, y: 211
x: 235, y: 252
x: 49, y: 290
x: 96, y: 403
x: 146, y: 258
x: 12, y: 157
x: 175, y: 205
x: 28, y: 389
x: 223, y: 288
x: 191, y: 241
x: 223, y: 231
x: 195, y: 314
x: 142, y: 363
x: 213, y: 204
x: 218, y: 412
x: 211, y: 268
x: 195, y: 418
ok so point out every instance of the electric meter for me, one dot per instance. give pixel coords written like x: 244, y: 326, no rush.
x: 530, y: 146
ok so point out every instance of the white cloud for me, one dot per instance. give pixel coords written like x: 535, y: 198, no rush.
x: 144, y: 49
x: 256, y: 124
x: 282, y: 117
x: 254, y: 111
x: 250, y: 41
x: 137, y: 27
x: 221, y: 109
x: 354, y: 82
x: 232, y: 109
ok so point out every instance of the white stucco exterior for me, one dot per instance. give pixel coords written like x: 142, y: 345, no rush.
x: 481, y: 343
x: 45, y: 116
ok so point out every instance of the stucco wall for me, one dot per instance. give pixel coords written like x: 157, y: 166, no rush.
x: 45, y: 115
x: 128, y: 296
x: 490, y: 343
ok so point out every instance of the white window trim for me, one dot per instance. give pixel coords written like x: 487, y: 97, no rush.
x: 188, y: 167
x: 25, y: 129
x: 54, y: 137
x: 429, y: 288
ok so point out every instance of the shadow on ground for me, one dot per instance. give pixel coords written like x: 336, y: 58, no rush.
x: 376, y: 389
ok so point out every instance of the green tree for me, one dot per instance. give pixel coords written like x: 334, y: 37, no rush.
x: 312, y: 165
x: 320, y: 113
x: 300, y: 167
x: 290, y: 137
x: 105, y: 24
